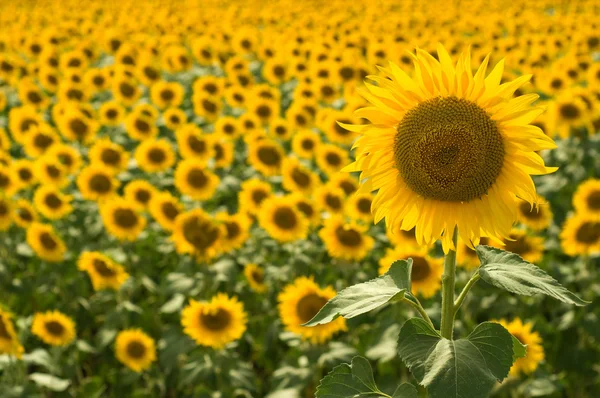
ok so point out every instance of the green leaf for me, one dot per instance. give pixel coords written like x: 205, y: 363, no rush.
x: 405, y: 390
x: 173, y: 305
x: 349, y: 381
x: 50, y: 382
x: 364, y: 297
x: 510, y: 272
x: 456, y: 368
x: 519, y: 349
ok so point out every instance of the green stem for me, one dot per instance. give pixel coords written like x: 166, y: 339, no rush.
x: 417, y: 305
x: 447, y: 324
x: 465, y: 291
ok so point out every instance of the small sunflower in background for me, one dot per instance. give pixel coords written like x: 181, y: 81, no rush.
x: 109, y: 154
x: 305, y: 143
x: 299, y: 302
x: 535, y: 351
x: 165, y: 208
x: 195, y: 180
x: 237, y: 227
x: 331, y: 158
x: 45, y: 242
x: 103, y: 272
x: 468, y: 169
x: 121, y: 219
x: 529, y: 247
x: 307, y: 207
x: 193, y: 144
x: 68, y: 157
x: 135, y: 349
x: 266, y: 156
x: 426, y: 271
x: 51, y: 170
x: 24, y: 172
x: 9, y: 184
x: 53, y: 327
x: 282, y: 220
x: 6, y: 210
x: 536, y: 217
x: 330, y: 199
x: 139, y: 192
x: 347, y: 241
x: 587, y: 197
x: 580, y: 235
x: 214, y: 323
x: 24, y: 214
x: 297, y: 177
x: 358, y: 207
x: 255, y: 276
x: 9, y: 342
x: 153, y: 156
x: 166, y: 94
x: 467, y: 257
x: 96, y: 182
x: 197, y: 233
x: 253, y: 193
x: 51, y: 202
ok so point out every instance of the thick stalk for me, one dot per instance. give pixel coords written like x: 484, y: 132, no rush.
x: 447, y: 324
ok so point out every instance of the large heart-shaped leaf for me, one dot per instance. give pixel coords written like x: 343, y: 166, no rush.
x: 510, y: 272
x: 456, y: 368
x: 356, y: 380
x: 364, y: 297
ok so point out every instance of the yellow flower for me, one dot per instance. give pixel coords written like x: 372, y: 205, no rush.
x: 24, y: 172
x: 426, y: 270
x: 51, y: 202
x: 108, y: 154
x: 297, y: 177
x: 155, y: 155
x: 587, y: 197
x: 43, y: 240
x: 358, y: 207
x: 280, y: 217
x: 266, y: 156
x: 9, y: 183
x: 166, y: 94
x: 533, y: 341
x: 580, y: 235
x: 96, y: 182
x: 467, y: 257
x: 331, y: 158
x: 330, y: 198
x: 237, y: 227
x: 50, y: 170
x: 6, y: 210
x: 255, y: 276
x: 214, y: 323
x: 535, y: 217
x: 68, y: 157
x: 121, y: 219
x: 104, y: 273
x: 192, y: 143
x: 174, y: 118
x: 135, y: 349
x: 347, y: 241
x: 305, y: 143
x: 111, y: 113
x: 223, y: 153
x: 307, y: 207
x: 253, y: 193
x: 196, y: 233
x: 140, y: 126
x: 139, y: 192
x: 448, y: 149
x: 9, y: 342
x: 194, y: 180
x: 54, y: 328
x: 165, y: 208
x: 299, y: 302
x: 24, y: 213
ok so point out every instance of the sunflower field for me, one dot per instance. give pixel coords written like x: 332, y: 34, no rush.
x: 292, y: 199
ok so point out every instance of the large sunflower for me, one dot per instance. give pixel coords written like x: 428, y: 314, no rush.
x: 216, y: 322
x: 135, y: 349
x: 9, y: 342
x: 426, y: 271
x: 299, y: 302
x: 533, y: 341
x: 54, y: 328
x: 448, y: 149
x: 104, y: 272
x: 345, y: 240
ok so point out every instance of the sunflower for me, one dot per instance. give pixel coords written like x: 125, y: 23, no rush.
x: 121, y: 219
x: 297, y: 177
x: 108, y: 154
x: 197, y: 233
x: 282, y: 220
x: 68, y: 157
x: 358, y: 207
x: 208, y: 85
x: 207, y: 106
x: 214, y: 323
x: 45, y: 243
x: 249, y: 123
x: 236, y: 96
x: 111, y: 113
x: 266, y: 156
x: 166, y: 94
x: 21, y: 120
x: 165, y: 208
x: 254, y: 192
x: 104, y: 272
x: 567, y: 113
x: 53, y: 327
x: 331, y: 158
x: 174, y: 118
x: 530, y: 248
x: 135, y: 349
x: 9, y: 342
x: 533, y: 341
x: 305, y: 143
x: 536, y: 217
x: 587, y: 197
x: 299, y: 302
x: 155, y: 155
x: 6, y: 210
x: 255, y: 276
x: 24, y: 213
x: 347, y: 182
x: 193, y: 144
x: 281, y: 129
x: 39, y: 140
x: 24, y: 172
x: 223, y: 153
x: 467, y: 257
x: 96, y: 182
x: 228, y: 127
x: 307, y: 207
x: 343, y: 240
x: 9, y: 182
x: 194, y: 180
x: 139, y: 192
x: 125, y: 91
x: 76, y: 126
x: 476, y: 157
x: 581, y: 235
x: 5, y: 142
x: 237, y: 227
x: 51, y: 202
x: 330, y: 198
x: 426, y: 271
x: 140, y: 126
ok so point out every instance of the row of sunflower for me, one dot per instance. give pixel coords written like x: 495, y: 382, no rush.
x: 158, y: 154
